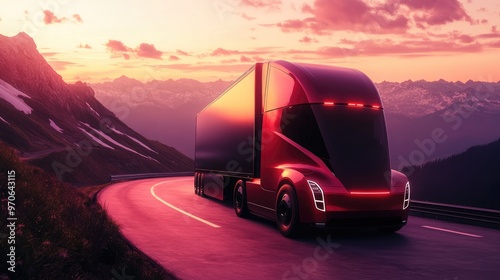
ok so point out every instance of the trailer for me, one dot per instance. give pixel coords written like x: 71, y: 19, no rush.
x: 301, y: 144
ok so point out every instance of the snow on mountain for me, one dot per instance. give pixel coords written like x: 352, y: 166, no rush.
x: 92, y: 109
x: 113, y: 141
x: 137, y: 141
x: 422, y: 98
x: 96, y: 139
x: 55, y: 126
x: 161, y: 110
x: 12, y: 95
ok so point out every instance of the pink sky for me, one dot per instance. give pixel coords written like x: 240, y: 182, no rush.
x: 94, y: 41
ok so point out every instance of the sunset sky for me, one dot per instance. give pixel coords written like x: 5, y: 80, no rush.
x: 95, y: 41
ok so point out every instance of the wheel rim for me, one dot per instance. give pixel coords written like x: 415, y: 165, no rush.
x: 239, y: 198
x: 285, y: 210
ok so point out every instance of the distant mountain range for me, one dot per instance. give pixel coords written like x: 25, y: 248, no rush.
x: 466, y: 113
x: 161, y: 110
x: 64, y: 129
x: 471, y: 178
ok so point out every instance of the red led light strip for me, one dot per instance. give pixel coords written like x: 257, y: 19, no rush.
x: 331, y: 103
x: 370, y: 193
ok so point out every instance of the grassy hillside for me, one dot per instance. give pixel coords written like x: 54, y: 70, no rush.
x: 61, y: 233
x: 471, y: 178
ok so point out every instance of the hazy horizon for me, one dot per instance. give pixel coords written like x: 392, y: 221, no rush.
x: 227, y: 80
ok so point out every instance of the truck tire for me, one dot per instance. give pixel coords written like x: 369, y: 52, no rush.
x: 196, y: 182
x: 240, y: 199
x: 287, y: 211
x: 201, y: 187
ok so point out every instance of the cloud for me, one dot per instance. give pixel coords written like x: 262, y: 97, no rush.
x: 180, y: 52
x: 223, y: 68
x: 293, y: 25
x: 422, y: 45
x: 330, y: 15
x: 117, y: 46
x: 77, y: 17
x: 59, y: 65
x: 494, y: 44
x: 247, y: 17
x: 173, y: 58
x: 226, y: 52
x: 390, y: 17
x: 454, y: 43
x: 119, y: 49
x: 148, y: 51
x: 82, y: 46
x: 494, y: 29
x: 431, y: 12
x: 492, y: 35
x: 272, y: 5
x: 258, y: 58
x: 50, y: 18
x: 245, y: 59
x: 49, y: 54
x: 228, y: 61
x: 223, y: 52
x: 308, y: 40
x: 465, y: 39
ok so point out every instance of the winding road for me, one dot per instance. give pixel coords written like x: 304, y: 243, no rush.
x: 202, y: 238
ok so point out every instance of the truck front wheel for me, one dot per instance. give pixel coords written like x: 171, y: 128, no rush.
x: 240, y: 199
x: 287, y: 216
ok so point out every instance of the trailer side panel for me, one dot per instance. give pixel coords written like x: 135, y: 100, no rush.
x: 225, y: 131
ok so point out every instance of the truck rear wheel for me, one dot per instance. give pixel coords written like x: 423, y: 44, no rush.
x: 200, y: 190
x: 196, y: 182
x: 287, y: 212
x: 240, y: 199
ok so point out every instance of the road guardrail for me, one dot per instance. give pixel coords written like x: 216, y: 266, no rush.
x: 456, y: 213
x: 114, y: 178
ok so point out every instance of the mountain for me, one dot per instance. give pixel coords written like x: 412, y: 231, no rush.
x: 422, y: 98
x: 64, y: 129
x: 161, y: 110
x: 466, y: 114
x: 471, y: 178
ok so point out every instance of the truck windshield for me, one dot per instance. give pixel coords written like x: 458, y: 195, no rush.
x: 351, y: 141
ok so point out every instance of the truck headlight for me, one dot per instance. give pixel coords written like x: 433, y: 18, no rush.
x: 406, y: 201
x: 318, y: 196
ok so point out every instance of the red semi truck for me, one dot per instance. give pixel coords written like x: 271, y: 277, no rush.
x: 301, y: 144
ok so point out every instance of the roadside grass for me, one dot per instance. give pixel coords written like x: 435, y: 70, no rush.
x: 62, y: 233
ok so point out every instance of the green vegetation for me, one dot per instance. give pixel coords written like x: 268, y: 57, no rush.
x: 62, y: 233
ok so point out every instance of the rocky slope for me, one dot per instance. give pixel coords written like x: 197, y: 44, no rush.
x: 64, y: 129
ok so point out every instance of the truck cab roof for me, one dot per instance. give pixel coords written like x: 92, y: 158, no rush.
x: 336, y: 85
